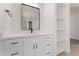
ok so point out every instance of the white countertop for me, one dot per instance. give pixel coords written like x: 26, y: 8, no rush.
x: 21, y: 35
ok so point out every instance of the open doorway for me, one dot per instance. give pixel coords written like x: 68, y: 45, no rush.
x: 74, y: 31
x: 74, y: 28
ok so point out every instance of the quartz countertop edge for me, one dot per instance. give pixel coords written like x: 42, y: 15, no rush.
x: 21, y: 35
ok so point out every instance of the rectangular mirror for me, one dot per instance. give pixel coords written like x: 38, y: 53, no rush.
x: 30, y: 17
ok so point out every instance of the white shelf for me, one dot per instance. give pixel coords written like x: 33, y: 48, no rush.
x: 61, y: 46
x: 59, y: 51
x: 60, y: 35
x: 60, y: 12
x: 60, y: 25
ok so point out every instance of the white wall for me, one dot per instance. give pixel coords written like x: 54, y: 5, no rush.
x: 4, y: 18
x: 13, y: 25
x: 74, y: 25
x: 49, y: 18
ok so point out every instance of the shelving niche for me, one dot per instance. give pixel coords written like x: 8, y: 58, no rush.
x: 61, y: 27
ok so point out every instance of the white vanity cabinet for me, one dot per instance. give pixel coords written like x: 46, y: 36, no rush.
x: 38, y: 46
x: 28, y: 49
x: 14, y: 47
x: 11, y: 47
x: 34, y: 48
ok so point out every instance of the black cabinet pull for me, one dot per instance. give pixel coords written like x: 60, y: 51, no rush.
x: 36, y: 46
x: 33, y: 47
x: 14, y: 43
x: 14, y: 54
x: 48, y: 37
x: 48, y: 44
x: 48, y: 53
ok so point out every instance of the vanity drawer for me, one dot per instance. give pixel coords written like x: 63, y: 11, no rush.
x: 17, y: 51
x: 48, y: 42
x: 27, y: 40
x: 49, y: 53
x: 48, y: 46
x: 14, y: 42
x: 48, y: 37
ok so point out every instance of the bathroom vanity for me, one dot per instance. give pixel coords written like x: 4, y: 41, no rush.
x: 33, y: 45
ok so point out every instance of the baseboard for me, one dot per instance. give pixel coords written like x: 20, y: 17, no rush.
x: 74, y: 38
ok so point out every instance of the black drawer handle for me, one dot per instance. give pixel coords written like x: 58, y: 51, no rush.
x: 14, y: 43
x: 33, y: 47
x: 48, y: 53
x: 48, y: 44
x: 48, y: 37
x: 14, y: 54
x: 36, y: 46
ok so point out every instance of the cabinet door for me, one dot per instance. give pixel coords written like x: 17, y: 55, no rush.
x: 40, y: 48
x: 29, y: 49
x: 3, y: 50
